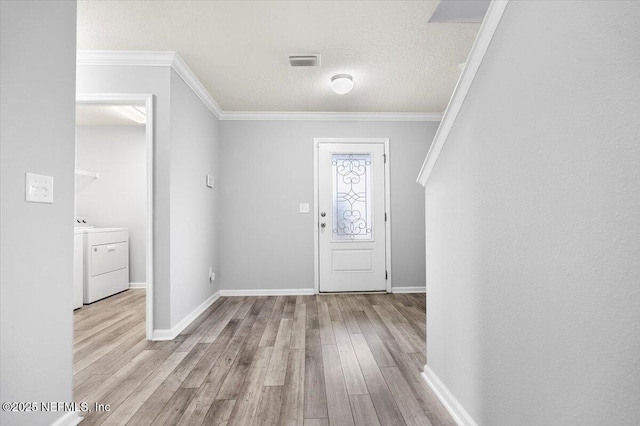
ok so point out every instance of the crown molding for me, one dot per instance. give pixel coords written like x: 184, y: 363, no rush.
x: 120, y: 57
x: 173, y: 60
x: 183, y: 70
x: 150, y: 59
x: 332, y: 116
x: 476, y: 55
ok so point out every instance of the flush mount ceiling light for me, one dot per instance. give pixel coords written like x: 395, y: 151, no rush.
x: 342, y: 83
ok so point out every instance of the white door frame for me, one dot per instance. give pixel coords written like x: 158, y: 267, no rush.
x: 316, y: 203
x: 137, y: 99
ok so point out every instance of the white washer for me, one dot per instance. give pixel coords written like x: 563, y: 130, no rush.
x: 106, y: 262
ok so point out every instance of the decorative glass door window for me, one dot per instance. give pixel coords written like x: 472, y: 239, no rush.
x: 352, y: 197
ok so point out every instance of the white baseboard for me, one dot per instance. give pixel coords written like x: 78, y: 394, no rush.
x: 72, y: 418
x: 173, y: 332
x: 269, y: 292
x: 408, y: 289
x: 137, y: 285
x: 451, y: 404
x: 302, y: 291
x: 163, y: 334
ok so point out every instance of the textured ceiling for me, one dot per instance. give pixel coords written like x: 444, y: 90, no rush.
x: 102, y: 115
x: 238, y: 49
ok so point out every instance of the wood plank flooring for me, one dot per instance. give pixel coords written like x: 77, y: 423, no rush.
x: 341, y: 359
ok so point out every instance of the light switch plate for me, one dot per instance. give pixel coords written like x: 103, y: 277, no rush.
x: 210, y: 181
x: 304, y: 207
x: 39, y: 188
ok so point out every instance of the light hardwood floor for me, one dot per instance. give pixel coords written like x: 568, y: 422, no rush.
x: 286, y: 360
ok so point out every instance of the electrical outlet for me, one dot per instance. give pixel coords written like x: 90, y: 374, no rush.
x: 304, y: 207
x: 212, y: 275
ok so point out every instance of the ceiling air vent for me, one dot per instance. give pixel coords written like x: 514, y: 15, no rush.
x: 304, y: 60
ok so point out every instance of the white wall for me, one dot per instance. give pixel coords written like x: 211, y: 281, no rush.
x: 268, y: 171
x: 533, y: 223
x: 119, y: 197
x: 195, y: 143
x: 37, y: 110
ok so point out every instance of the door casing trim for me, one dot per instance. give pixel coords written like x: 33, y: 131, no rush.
x: 146, y: 99
x: 387, y: 205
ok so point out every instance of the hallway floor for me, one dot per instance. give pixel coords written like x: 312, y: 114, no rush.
x: 305, y: 360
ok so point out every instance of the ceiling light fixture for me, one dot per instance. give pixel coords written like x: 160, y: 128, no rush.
x: 132, y: 113
x: 342, y: 83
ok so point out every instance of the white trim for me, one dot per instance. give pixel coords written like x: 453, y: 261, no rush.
x: 316, y: 221
x: 72, y: 418
x: 422, y: 289
x: 135, y: 286
x: 183, y: 70
x: 147, y: 99
x: 124, y: 58
x: 269, y: 292
x: 451, y: 404
x: 332, y: 116
x: 150, y: 211
x: 150, y: 59
x: 387, y: 209
x: 316, y: 201
x: 163, y: 334
x: 173, y: 332
x: 173, y: 60
x: 107, y: 98
x: 478, y: 50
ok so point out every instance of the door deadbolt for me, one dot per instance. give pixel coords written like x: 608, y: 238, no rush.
x: 323, y: 225
x: 323, y: 214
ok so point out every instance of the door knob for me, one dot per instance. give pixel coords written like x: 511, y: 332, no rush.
x: 323, y: 225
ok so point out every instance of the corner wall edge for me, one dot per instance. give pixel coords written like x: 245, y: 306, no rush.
x: 173, y: 332
x: 474, y: 60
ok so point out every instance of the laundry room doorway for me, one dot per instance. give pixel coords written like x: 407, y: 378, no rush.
x: 113, y: 235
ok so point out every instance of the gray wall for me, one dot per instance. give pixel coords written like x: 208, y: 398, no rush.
x: 154, y: 80
x: 37, y: 114
x: 533, y: 223
x: 186, y: 140
x: 119, y: 197
x: 195, y: 142
x: 268, y: 171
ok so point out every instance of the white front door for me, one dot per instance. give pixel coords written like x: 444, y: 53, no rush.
x: 351, y: 217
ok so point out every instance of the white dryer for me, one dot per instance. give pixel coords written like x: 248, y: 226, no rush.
x: 106, y: 262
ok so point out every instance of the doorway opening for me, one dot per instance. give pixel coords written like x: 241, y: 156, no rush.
x: 114, y: 199
x: 352, y: 234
